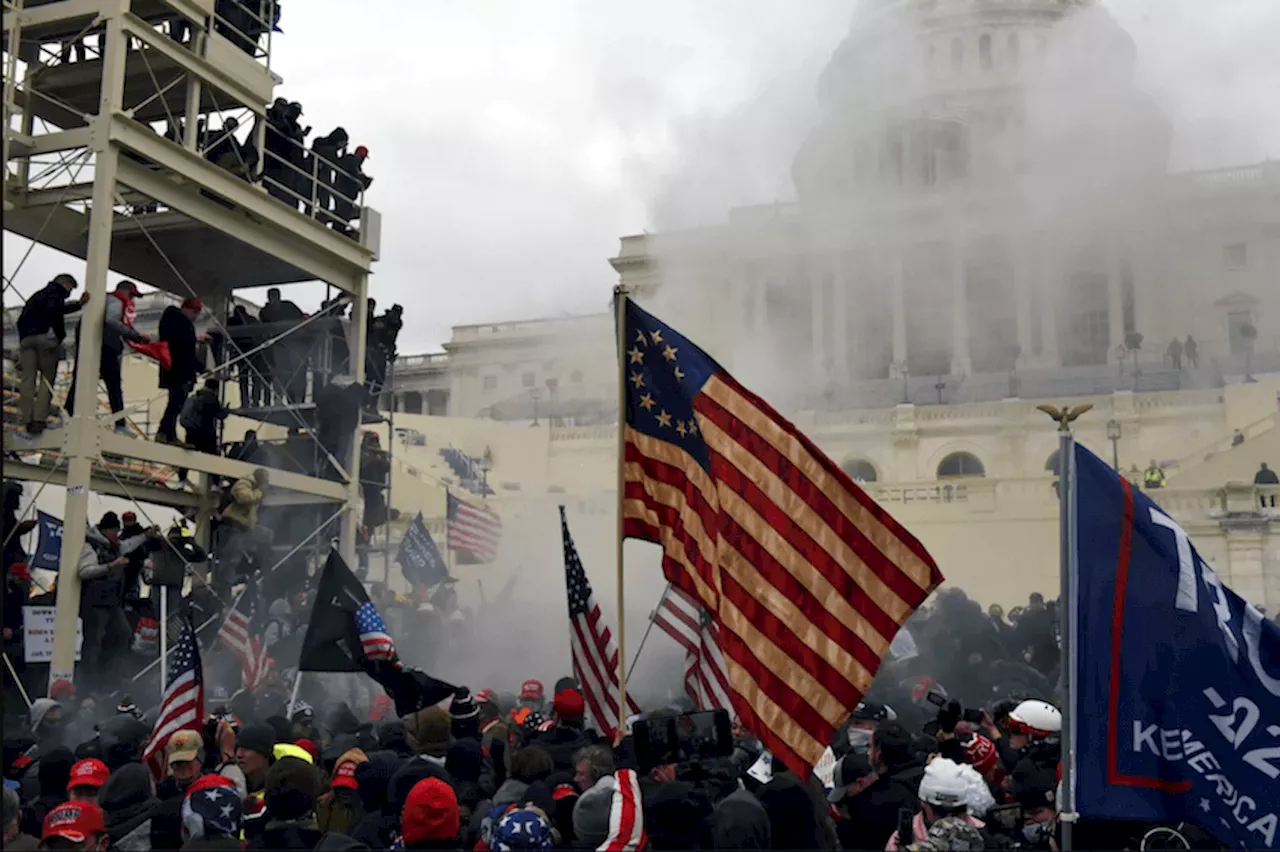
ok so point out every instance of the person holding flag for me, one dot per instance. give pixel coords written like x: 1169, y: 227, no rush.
x: 346, y: 634
x: 183, y: 706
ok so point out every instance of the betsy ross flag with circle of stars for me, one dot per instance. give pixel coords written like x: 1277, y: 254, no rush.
x: 805, y: 576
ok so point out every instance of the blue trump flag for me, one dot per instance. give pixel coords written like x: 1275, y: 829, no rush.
x: 419, y: 558
x: 48, y: 543
x: 1177, y: 714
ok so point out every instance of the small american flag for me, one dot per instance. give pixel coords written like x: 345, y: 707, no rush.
x: 474, y: 530
x: 684, y: 620
x: 183, y: 705
x: 256, y: 664
x: 374, y: 640
x: 595, y: 654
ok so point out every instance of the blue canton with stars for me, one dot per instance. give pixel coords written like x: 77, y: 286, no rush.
x: 664, y: 374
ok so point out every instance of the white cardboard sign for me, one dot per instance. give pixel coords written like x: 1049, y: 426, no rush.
x: 37, y: 634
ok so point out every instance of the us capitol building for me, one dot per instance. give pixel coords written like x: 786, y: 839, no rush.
x: 984, y: 220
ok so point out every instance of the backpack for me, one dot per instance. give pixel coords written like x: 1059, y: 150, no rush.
x: 190, y: 417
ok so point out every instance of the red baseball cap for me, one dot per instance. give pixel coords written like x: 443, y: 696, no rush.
x: 531, y: 689
x: 191, y: 303
x: 345, y: 776
x: 569, y: 704
x: 74, y: 821
x: 361, y: 151
x: 62, y: 688
x: 430, y: 812
x: 309, y: 747
x: 90, y: 772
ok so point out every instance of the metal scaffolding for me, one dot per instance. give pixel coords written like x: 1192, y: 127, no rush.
x: 88, y: 84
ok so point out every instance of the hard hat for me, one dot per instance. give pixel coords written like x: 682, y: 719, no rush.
x: 1036, y: 719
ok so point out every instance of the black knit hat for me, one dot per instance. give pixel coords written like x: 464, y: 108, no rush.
x: 260, y: 738
x: 110, y: 521
x: 462, y: 707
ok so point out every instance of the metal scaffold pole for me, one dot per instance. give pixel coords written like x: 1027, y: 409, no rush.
x: 81, y: 446
x: 351, y: 518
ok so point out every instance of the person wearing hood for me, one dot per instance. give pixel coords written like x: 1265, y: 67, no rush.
x: 292, y: 787
x: 102, y: 565
x: 739, y: 821
x: 48, y: 730
x: 129, y: 799
x: 394, y: 736
x: 10, y: 821
x: 49, y: 776
x: 431, y: 733
x: 567, y: 736
x: 591, y: 813
x: 465, y: 716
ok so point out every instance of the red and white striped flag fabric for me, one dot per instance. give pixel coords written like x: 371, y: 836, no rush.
x: 256, y: 664
x: 183, y: 705
x: 595, y: 654
x: 806, y: 577
x: 684, y: 620
x: 626, y: 816
x: 472, y: 530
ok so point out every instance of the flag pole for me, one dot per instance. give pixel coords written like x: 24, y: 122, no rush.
x: 620, y: 300
x: 652, y: 616
x: 1067, y: 610
x: 293, y: 696
x: 17, y: 682
x: 164, y: 634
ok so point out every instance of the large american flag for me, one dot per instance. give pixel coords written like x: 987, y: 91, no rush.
x: 374, y: 639
x: 183, y: 704
x: 705, y: 678
x: 595, y: 654
x: 237, y: 634
x: 805, y: 576
x: 473, y: 529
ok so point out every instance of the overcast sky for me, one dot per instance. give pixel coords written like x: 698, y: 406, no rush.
x: 512, y: 143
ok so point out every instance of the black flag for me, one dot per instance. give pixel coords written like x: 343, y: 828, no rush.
x: 332, y: 642
x: 419, y: 558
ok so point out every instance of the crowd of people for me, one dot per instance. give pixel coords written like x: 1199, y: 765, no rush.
x: 955, y: 747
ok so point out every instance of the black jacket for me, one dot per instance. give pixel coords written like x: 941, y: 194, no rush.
x: 280, y: 311
x: 562, y: 743
x: 202, y: 413
x: 873, y: 813
x: 44, y: 312
x: 179, y: 332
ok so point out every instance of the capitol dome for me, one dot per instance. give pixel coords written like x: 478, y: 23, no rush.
x: 926, y: 93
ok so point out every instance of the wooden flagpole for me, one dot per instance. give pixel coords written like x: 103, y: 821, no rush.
x: 620, y: 300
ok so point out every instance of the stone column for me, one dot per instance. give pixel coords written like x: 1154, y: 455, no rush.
x: 1020, y: 269
x: 1048, y: 277
x: 817, y: 311
x: 897, y: 268
x: 842, y: 280
x: 1115, y: 306
x: 960, y: 362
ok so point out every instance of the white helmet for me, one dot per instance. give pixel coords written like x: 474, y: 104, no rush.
x: 951, y: 785
x: 1036, y: 719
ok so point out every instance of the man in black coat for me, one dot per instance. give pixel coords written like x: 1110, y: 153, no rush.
x: 41, y: 329
x: 245, y: 337
x: 874, y: 811
x: 177, y: 328
x: 289, y: 355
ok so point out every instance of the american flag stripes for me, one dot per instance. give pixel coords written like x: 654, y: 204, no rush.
x: 183, y: 704
x: 684, y: 620
x: 374, y: 639
x: 236, y: 633
x: 626, y: 815
x: 474, y: 530
x: 595, y: 654
x: 806, y: 578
